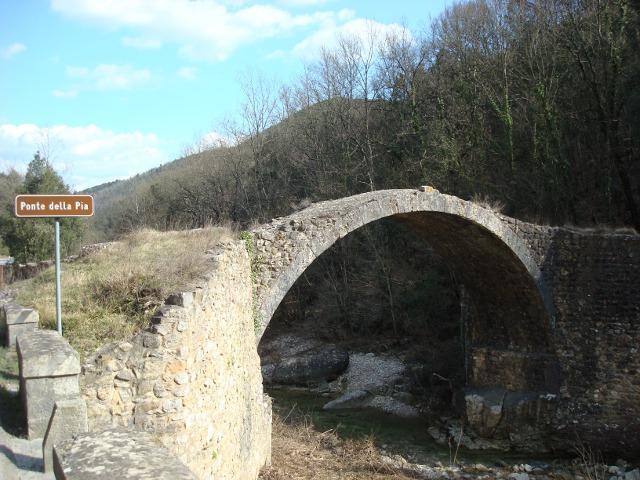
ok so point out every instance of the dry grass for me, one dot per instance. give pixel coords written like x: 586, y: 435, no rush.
x: 490, y: 204
x: 590, y: 464
x: 300, y: 452
x: 110, y: 294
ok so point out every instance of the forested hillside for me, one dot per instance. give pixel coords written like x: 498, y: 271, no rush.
x: 534, y: 105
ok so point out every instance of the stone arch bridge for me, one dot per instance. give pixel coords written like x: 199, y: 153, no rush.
x: 554, y: 310
x: 553, y: 324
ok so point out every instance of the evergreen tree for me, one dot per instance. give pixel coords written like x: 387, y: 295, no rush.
x: 32, y: 239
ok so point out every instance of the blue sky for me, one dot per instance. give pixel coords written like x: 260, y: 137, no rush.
x: 111, y: 88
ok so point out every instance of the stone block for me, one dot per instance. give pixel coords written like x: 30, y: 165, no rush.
x: 69, y: 418
x: 49, y: 370
x: 522, y: 417
x: 15, y: 320
x: 116, y: 453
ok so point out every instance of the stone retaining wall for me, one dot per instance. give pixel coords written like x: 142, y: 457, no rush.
x: 19, y: 271
x: 192, y: 378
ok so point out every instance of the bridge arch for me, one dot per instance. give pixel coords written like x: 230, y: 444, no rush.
x: 488, y: 252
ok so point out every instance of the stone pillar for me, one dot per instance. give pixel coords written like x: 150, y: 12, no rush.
x: 15, y: 320
x: 69, y: 418
x: 117, y: 454
x: 49, y: 370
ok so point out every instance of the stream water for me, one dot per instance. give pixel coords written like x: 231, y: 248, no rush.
x: 395, y: 435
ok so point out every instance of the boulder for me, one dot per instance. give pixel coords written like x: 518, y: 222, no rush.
x: 314, y: 365
x: 377, y: 374
x: 353, y: 399
x: 522, y: 418
x: 364, y: 399
x: 393, y: 406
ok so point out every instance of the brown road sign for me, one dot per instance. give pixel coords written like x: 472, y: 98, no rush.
x: 54, y: 206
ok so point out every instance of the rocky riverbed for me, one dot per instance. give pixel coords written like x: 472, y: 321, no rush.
x: 361, y: 393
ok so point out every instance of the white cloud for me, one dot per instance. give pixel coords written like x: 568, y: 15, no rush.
x: 302, y: 3
x: 328, y: 36
x: 85, y: 156
x: 276, y: 54
x: 209, y: 30
x: 13, y: 49
x: 141, y: 42
x: 109, y: 77
x: 187, y: 73
x: 65, y: 93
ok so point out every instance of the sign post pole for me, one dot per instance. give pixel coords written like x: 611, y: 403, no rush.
x: 56, y: 207
x: 58, y: 288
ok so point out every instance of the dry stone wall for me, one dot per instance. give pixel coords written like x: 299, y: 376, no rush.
x: 193, y: 377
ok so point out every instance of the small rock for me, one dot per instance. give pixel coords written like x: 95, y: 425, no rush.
x: 348, y: 400
x: 150, y: 340
x: 181, y: 378
x: 159, y: 390
x: 162, y: 329
x: 124, y: 375
x: 632, y: 475
x: 519, y: 476
x: 478, y: 467
x: 171, y: 405
x: 104, y: 393
x: 113, y: 365
x: 181, y: 391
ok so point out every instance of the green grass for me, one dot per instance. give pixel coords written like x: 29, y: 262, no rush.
x: 8, y: 365
x: 111, y: 294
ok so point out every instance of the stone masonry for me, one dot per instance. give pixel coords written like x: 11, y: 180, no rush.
x: 554, y: 310
x: 15, y: 320
x: 49, y: 370
x: 117, y: 454
x: 554, y: 323
x: 192, y: 378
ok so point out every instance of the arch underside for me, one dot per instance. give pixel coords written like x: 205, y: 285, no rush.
x: 508, y: 313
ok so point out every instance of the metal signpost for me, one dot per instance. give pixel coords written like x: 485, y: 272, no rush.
x: 56, y: 207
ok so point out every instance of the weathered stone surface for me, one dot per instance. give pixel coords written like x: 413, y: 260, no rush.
x: 45, y: 353
x: 523, y: 418
x: 352, y: 399
x: 321, y: 363
x: 490, y: 256
x: 196, y: 382
x: 374, y: 373
x: 69, y: 418
x: 14, y: 314
x: 49, y: 370
x: 15, y: 320
x: 363, y: 399
x: 514, y: 370
x: 632, y: 475
x: 561, y: 303
x: 117, y: 454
